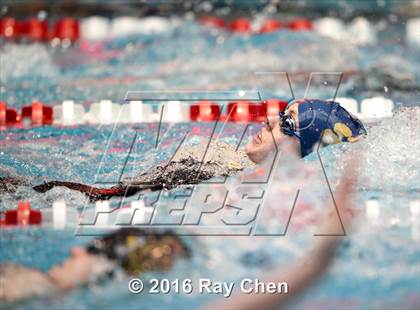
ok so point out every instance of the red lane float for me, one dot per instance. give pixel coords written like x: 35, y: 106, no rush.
x: 243, y: 25
x: 8, y: 117
x: 67, y: 28
x: 258, y: 112
x: 38, y: 113
x: 300, y: 24
x: 23, y: 215
x: 245, y: 111
x: 206, y: 111
x: 240, y: 25
x: 271, y: 25
x: 212, y: 21
x: 274, y: 106
x: 10, y: 28
x: 36, y: 30
x: 238, y: 111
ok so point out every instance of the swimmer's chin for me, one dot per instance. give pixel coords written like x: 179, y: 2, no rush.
x: 255, y: 156
x: 259, y: 155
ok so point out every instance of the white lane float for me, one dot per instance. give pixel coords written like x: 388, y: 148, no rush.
x: 95, y: 28
x: 124, y: 216
x: 59, y: 214
x: 128, y: 25
x: 371, y: 109
x: 376, y: 108
x: 153, y: 25
x: 124, y: 26
x: 415, y: 208
x: 68, y: 113
x: 135, y: 112
x: 104, y: 112
x: 136, y: 214
x: 175, y: 112
x: 330, y: 27
x: 350, y: 104
x: 413, y: 32
x: 372, y: 210
x: 141, y: 213
x: 360, y: 31
x: 102, y: 212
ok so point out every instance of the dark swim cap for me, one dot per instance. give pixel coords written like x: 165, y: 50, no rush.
x: 139, y: 250
x: 326, y: 122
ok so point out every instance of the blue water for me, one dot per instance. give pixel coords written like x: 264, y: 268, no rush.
x: 378, y: 267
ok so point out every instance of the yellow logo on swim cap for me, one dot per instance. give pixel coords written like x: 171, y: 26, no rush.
x: 329, y: 137
x: 340, y: 133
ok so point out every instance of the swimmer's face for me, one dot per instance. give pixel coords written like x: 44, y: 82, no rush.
x: 269, y: 136
x: 76, y: 270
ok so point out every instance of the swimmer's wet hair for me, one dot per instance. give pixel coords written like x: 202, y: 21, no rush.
x: 140, y: 250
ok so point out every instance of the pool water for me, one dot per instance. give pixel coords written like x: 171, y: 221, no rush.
x: 378, y: 265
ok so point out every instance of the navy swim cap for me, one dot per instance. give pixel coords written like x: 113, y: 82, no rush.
x: 139, y: 250
x: 326, y: 122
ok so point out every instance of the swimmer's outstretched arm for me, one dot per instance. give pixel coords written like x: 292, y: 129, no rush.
x: 95, y: 193
x: 9, y: 185
x: 183, y: 172
x: 308, y: 270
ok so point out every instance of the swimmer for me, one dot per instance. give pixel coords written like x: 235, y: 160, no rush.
x: 303, y: 125
x: 128, y: 251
